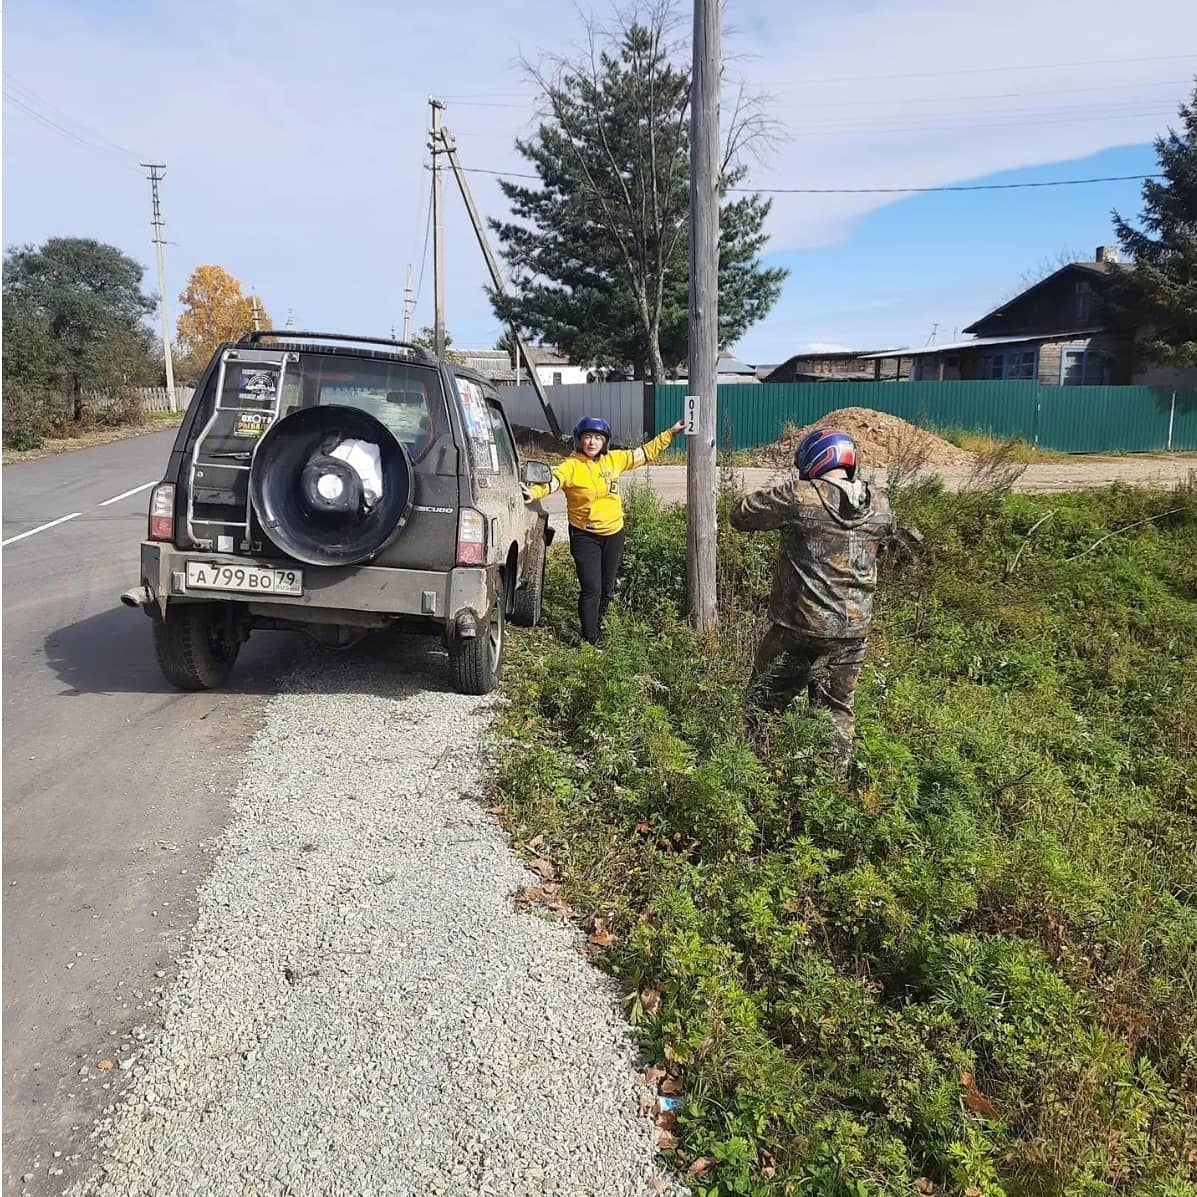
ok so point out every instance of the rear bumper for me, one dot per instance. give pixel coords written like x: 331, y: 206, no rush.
x: 368, y: 589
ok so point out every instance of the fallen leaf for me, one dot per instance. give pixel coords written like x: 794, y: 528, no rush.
x: 642, y: 829
x: 973, y: 1191
x: 700, y: 1167
x: 496, y: 810
x: 650, y: 999
x: 656, y: 1185
x: 924, y: 1185
x: 790, y: 905
x: 543, y: 868
x: 105, y: 1065
x: 666, y: 1120
x: 671, y: 1086
x: 647, y: 1104
x: 672, y: 1054
x: 535, y: 842
x: 602, y: 936
x: 652, y: 1074
x: 974, y: 1099
x: 768, y: 1165
x: 665, y: 1140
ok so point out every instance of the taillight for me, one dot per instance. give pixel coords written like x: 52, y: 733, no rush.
x: 471, y: 537
x: 162, y: 511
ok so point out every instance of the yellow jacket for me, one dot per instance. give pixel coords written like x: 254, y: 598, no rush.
x: 592, y: 486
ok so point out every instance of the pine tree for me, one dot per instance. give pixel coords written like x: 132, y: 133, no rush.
x: 1158, y: 296
x: 598, y: 249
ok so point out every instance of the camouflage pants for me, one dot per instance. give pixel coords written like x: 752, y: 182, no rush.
x: 789, y: 662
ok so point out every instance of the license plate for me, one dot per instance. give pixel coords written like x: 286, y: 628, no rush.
x: 249, y: 579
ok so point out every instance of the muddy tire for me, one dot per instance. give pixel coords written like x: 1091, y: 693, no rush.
x: 477, y: 661
x: 193, y: 649
x: 525, y: 606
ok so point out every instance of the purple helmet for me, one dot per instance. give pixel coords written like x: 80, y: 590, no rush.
x: 592, y: 424
x: 825, y: 449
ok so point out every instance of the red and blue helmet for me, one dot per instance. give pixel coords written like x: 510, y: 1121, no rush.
x: 825, y: 449
x: 592, y: 424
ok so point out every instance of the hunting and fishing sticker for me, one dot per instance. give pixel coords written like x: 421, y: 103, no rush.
x: 252, y: 423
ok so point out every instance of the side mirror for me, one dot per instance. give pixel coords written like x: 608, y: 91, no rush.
x: 536, y: 473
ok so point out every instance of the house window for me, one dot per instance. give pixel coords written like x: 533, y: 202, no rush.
x: 1084, y: 367
x: 556, y: 378
x: 1013, y: 364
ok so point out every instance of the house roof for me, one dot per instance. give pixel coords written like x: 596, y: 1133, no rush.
x: 981, y: 342
x: 1101, y: 269
x: 490, y: 363
x: 732, y: 365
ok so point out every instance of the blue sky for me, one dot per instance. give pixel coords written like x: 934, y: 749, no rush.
x: 294, y: 133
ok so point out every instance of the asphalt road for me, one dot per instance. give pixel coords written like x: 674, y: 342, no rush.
x: 114, y: 790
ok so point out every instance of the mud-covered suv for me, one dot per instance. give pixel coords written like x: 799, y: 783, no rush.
x: 336, y: 485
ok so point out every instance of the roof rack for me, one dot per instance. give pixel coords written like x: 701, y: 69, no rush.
x: 290, y: 334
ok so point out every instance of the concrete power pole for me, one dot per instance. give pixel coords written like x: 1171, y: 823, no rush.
x: 408, y: 304
x: 157, y: 173
x: 704, y: 313
x: 438, y: 237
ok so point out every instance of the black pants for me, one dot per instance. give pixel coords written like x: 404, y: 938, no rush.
x: 597, y: 559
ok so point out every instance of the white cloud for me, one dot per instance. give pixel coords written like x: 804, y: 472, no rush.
x: 294, y: 132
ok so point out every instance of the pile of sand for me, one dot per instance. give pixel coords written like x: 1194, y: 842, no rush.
x: 880, y: 439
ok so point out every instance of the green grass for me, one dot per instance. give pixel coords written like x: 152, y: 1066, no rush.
x: 973, y: 968
x: 979, y: 442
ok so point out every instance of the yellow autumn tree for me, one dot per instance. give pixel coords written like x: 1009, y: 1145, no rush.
x: 215, y: 309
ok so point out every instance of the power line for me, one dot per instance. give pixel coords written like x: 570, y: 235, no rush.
x: 511, y: 174
x: 424, y: 255
x: 82, y: 133
x: 962, y: 187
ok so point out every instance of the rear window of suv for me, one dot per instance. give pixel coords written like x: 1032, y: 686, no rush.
x: 407, y: 399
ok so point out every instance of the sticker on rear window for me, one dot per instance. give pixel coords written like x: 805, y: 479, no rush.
x: 251, y: 423
x: 259, y: 382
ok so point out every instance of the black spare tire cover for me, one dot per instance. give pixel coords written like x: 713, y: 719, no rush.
x: 317, y: 523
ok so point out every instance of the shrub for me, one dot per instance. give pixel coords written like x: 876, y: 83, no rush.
x: 26, y: 417
x: 973, y: 969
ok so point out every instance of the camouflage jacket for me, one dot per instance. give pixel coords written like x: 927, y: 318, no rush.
x: 830, y: 537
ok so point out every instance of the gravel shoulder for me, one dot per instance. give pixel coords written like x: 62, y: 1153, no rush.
x: 361, y: 1008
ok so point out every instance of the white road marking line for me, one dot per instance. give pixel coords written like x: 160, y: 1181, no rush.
x: 135, y: 491
x: 41, y: 528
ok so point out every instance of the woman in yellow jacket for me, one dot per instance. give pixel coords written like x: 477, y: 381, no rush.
x: 590, y: 478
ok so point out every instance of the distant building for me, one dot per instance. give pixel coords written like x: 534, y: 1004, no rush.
x: 551, y: 367
x: 1053, y: 333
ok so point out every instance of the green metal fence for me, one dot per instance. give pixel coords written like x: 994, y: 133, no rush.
x: 1106, y: 419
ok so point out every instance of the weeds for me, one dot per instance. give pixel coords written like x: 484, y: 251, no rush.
x: 973, y: 969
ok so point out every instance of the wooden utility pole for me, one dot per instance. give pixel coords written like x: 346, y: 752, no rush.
x: 157, y: 172
x: 704, y: 313
x: 450, y: 149
x: 438, y: 234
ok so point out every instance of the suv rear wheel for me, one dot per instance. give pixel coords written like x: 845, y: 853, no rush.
x: 477, y: 661
x: 525, y: 606
x: 194, y: 649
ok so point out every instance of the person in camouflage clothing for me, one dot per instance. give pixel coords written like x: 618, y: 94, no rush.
x: 832, y: 529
